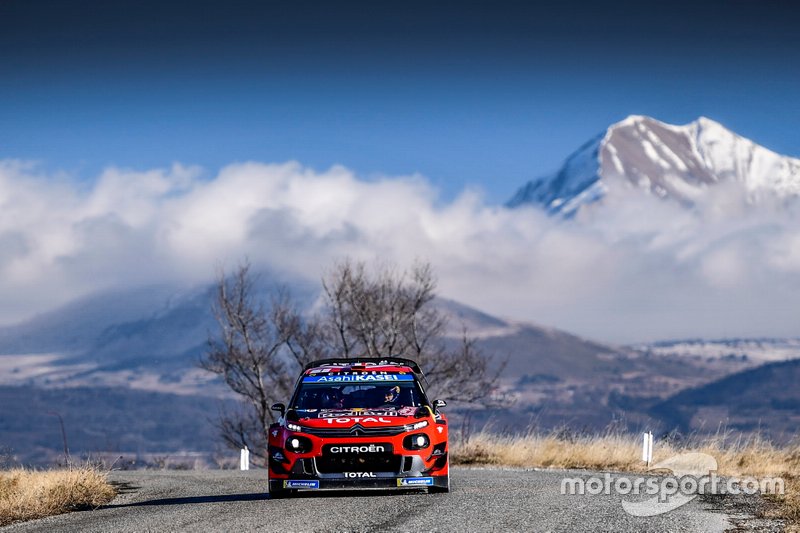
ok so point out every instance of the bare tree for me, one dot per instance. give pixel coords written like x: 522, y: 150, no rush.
x: 378, y: 313
x: 257, y: 352
x: 389, y: 313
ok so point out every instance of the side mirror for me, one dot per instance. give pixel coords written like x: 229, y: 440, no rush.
x: 281, y: 408
x: 439, y: 403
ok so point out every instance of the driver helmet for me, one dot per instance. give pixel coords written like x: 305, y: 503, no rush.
x: 392, y: 393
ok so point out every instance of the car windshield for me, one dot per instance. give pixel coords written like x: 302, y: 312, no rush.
x: 346, y: 396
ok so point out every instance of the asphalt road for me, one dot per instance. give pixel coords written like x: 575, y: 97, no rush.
x: 481, y: 500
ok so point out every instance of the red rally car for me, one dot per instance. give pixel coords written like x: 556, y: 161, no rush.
x: 359, y: 423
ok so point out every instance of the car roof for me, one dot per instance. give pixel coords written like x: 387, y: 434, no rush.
x: 376, y: 364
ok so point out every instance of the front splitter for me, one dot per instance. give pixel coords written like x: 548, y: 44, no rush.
x: 394, y: 483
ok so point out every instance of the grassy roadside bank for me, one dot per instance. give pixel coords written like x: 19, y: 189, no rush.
x: 31, y: 494
x: 743, y: 457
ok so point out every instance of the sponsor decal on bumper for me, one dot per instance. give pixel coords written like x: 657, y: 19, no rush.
x: 415, y: 482
x: 300, y: 484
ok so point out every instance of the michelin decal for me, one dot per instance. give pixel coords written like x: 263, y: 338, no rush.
x: 415, y: 482
x: 300, y: 484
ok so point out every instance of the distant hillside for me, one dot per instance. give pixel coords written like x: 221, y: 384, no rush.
x: 529, y: 348
x: 104, y: 420
x: 122, y: 370
x: 765, y: 399
x: 152, y: 339
x: 148, y: 338
x: 536, y: 351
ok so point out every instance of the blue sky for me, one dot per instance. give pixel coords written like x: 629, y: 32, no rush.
x: 482, y: 95
x: 106, y: 96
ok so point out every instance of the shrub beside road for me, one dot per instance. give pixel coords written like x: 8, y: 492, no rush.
x: 30, y: 494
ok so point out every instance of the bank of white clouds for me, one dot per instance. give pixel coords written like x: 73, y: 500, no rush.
x: 634, y: 268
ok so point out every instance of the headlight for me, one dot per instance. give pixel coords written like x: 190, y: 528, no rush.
x: 298, y: 444
x: 416, y: 442
x: 418, y: 425
x: 294, y: 427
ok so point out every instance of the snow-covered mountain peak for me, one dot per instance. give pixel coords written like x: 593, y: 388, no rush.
x: 681, y: 163
x: 703, y: 121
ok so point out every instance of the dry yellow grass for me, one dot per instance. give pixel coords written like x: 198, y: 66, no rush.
x: 549, y: 451
x: 30, y: 494
x: 742, y: 457
x: 790, y: 504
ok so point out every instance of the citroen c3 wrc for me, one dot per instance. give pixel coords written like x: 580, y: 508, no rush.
x: 359, y: 423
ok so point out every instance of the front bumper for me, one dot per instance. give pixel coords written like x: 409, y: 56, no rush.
x: 359, y: 463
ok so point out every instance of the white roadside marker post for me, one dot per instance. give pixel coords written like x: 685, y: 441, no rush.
x: 647, y: 448
x: 244, y: 459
